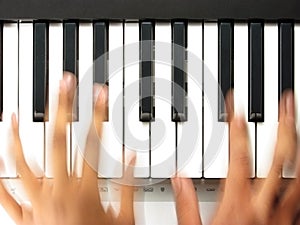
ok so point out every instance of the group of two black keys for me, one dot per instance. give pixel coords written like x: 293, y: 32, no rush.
x: 179, y: 59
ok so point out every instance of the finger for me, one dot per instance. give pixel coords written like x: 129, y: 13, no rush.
x: 70, y: 81
x: 91, y: 157
x: 10, y: 205
x: 185, y: 195
x: 288, y: 206
x: 239, y: 166
x: 127, y: 195
x: 8, y: 202
x: 59, y: 138
x: 31, y: 184
x: 286, y: 144
x: 229, y: 103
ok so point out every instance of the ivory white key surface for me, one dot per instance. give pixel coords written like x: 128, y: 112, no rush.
x: 189, y: 134
x: 163, y: 149
x: 266, y: 131
x: 10, y: 95
x: 241, y: 84
x: 34, y: 154
x: 136, y: 132
x: 111, y: 156
x: 290, y: 166
x: 215, y: 133
x: 81, y: 126
x: 55, y: 75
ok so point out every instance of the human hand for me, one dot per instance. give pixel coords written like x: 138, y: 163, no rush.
x: 242, y: 201
x: 66, y: 199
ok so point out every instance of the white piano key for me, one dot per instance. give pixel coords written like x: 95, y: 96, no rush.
x: 34, y: 154
x: 10, y: 95
x: 266, y: 131
x: 189, y: 144
x: 80, y: 128
x: 241, y: 84
x: 111, y: 156
x: 216, y: 133
x: 136, y: 133
x: 55, y: 75
x: 163, y: 149
x: 290, y: 166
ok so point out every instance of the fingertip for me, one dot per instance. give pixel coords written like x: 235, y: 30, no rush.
x: 176, y: 184
x: 229, y: 103
x: 14, y: 119
x: 100, y: 93
x: 70, y: 81
x: 290, y: 105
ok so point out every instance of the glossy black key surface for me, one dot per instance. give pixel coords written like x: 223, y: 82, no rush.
x: 71, y: 47
x: 40, y: 70
x: 1, y: 70
x: 225, y: 66
x: 100, y: 52
x: 286, y: 57
x: 179, y: 44
x: 146, y: 109
x: 256, y: 73
x: 70, y: 58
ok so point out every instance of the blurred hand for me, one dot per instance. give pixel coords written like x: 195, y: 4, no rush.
x: 65, y: 199
x: 243, y: 202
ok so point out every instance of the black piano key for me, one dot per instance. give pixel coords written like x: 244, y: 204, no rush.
x: 179, y: 44
x: 256, y: 73
x: 71, y: 47
x: 70, y: 58
x: 100, y: 56
x: 286, y: 58
x: 100, y: 52
x: 1, y: 70
x: 225, y: 66
x: 146, y: 109
x: 40, y: 70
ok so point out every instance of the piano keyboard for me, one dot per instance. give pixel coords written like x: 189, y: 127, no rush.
x: 190, y: 137
x: 217, y: 46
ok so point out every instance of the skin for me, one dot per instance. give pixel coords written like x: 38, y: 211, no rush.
x: 65, y: 199
x: 244, y: 201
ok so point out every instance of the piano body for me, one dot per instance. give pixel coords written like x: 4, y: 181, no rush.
x: 168, y: 65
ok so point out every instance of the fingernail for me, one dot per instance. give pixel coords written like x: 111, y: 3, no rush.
x: 229, y: 102
x: 176, y: 183
x: 100, y: 92
x: 69, y: 81
x: 96, y: 90
x: 289, y: 107
x: 103, y: 94
x: 14, y: 119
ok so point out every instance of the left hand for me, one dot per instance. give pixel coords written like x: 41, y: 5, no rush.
x: 66, y: 199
